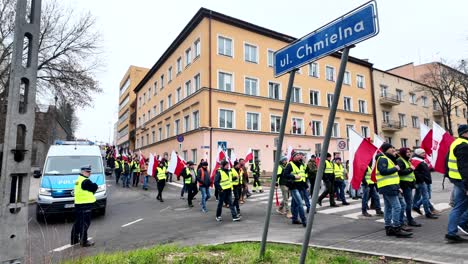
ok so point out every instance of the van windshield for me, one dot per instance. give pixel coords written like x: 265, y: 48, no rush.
x: 72, y: 164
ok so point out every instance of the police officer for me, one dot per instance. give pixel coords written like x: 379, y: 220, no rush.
x: 118, y: 169
x: 329, y: 181
x: 255, y: 169
x: 161, y: 179
x: 84, y: 200
x: 457, y: 172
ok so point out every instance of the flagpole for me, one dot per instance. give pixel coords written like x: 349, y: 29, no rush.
x: 284, y: 120
x: 323, y: 154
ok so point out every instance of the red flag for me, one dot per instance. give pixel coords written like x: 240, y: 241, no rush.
x: 426, y: 139
x: 378, y: 142
x: 176, y: 164
x: 277, y: 200
x: 249, y: 156
x: 441, y: 141
x: 415, y: 161
x: 142, y: 159
x: 289, y: 153
x: 361, y: 152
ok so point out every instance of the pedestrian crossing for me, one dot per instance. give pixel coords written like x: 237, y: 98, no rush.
x: 352, y: 211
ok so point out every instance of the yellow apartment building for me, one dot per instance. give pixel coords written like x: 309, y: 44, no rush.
x: 214, y: 85
x: 420, y: 74
x: 125, y: 134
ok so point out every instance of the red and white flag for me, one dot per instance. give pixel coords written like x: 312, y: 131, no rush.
x: 441, y: 141
x: 233, y: 156
x: 415, y: 161
x: 124, y: 155
x: 378, y: 142
x: 289, y: 153
x: 249, y: 156
x: 361, y: 152
x: 151, y: 165
x: 142, y: 159
x: 426, y: 139
x: 176, y: 164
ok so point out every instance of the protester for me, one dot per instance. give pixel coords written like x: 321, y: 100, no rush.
x: 204, y: 182
x: 223, y: 183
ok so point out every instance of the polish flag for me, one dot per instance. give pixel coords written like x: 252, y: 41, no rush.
x: 124, y: 156
x: 151, y: 165
x: 142, y: 159
x: 233, y: 156
x: 361, y: 151
x: 176, y: 164
x: 426, y: 139
x: 415, y: 161
x: 378, y: 142
x: 289, y: 153
x: 249, y: 156
x: 441, y: 141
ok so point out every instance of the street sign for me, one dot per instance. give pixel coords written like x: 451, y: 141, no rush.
x: 342, y: 145
x: 222, y: 145
x: 205, y: 147
x: 180, y: 138
x: 351, y: 28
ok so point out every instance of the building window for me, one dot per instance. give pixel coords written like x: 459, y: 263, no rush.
x: 161, y: 80
x: 329, y: 100
x: 176, y: 127
x: 314, y: 97
x: 314, y: 69
x: 179, y: 65
x: 185, y: 155
x: 348, y: 105
x: 226, y: 118
x: 142, y: 140
x: 250, y: 53
x: 149, y: 115
x: 296, y: 96
x: 424, y: 100
x: 188, y: 57
x: 168, y: 130
x: 417, y: 142
x: 270, y: 56
x: 161, y: 106
x: 154, y: 111
x: 435, y: 104
x: 188, y: 88
x: 196, y: 119
x: 464, y: 112
x: 169, y: 101
x: 412, y: 98
x: 144, y: 118
x: 253, y: 121
x: 348, y: 127
x: 316, y: 128
x: 388, y: 140
x: 347, y: 78
x: 225, y: 81
x: 197, y: 82
x: 330, y: 73
x: 197, y: 47
x: 186, y: 123
x: 415, y: 121
x: 275, y: 123
x: 427, y: 121
x: 169, y: 74
x: 149, y: 94
x: 224, y: 46
x: 160, y: 134
x: 399, y: 95
x: 178, y: 94
x: 138, y: 143
x: 457, y: 113
x: 386, y: 116
x: 194, y: 155
x: 153, y: 136
x: 297, y: 126
x: 274, y: 90
x: 125, y: 86
x: 251, y: 85
x: 365, y: 131
x: 404, y: 142
x: 144, y: 98
x: 139, y: 121
x: 362, y: 106
x: 335, y: 130
x: 383, y: 90
x: 402, y: 119
x: 360, y: 81
x: 155, y: 86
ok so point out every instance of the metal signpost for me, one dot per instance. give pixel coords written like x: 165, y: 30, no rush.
x: 19, y: 127
x: 340, y: 34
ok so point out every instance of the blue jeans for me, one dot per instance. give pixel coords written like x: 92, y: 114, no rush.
x: 126, y: 180
x: 205, y: 194
x: 370, y: 191
x: 340, y: 187
x: 423, y: 191
x: 408, y: 195
x: 392, y: 210
x: 296, y: 206
x: 225, y: 197
x: 459, y: 213
x: 305, y: 196
x: 145, y: 182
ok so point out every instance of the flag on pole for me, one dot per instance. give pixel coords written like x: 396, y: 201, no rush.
x: 142, y: 159
x: 150, y: 165
x: 289, y: 153
x: 378, y: 142
x: 176, y: 164
x: 249, y: 156
x: 426, y: 139
x: 361, y: 151
x: 441, y: 141
x: 233, y: 156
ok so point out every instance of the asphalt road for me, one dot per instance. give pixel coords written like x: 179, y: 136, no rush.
x: 135, y: 219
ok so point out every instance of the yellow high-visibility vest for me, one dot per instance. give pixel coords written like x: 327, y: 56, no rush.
x: 225, y: 181
x: 161, y: 173
x: 328, y: 167
x: 299, y: 171
x: 410, y: 177
x: 452, y: 164
x: 387, y: 180
x: 82, y: 196
x: 338, y: 171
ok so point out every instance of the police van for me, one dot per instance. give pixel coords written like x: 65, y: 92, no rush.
x: 61, y: 170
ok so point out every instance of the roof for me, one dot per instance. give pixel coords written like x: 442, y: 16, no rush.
x: 72, y: 150
x: 401, y: 77
x: 207, y: 13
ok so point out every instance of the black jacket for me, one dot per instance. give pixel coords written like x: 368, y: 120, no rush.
x: 218, y: 179
x: 382, y: 166
x: 88, y: 185
x: 461, y: 152
x: 206, y: 181
x: 290, y: 178
x: 403, y: 172
x: 422, y: 172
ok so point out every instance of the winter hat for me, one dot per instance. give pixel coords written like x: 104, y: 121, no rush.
x: 284, y: 158
x: 386, y: 146
x: 403, y: 151
x: 462, y: 129
x: 296, y: 153
x: 419, y: 151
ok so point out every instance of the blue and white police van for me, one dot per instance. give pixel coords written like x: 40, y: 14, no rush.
x: 61, y: 169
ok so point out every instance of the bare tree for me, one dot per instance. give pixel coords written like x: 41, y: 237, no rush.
x: 69, y: 53
x: 462, y: 67
x: 442, y: 82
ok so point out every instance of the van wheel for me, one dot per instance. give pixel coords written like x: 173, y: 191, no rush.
x: 40, y: 217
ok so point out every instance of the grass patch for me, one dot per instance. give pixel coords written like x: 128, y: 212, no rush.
x: 234, y: 253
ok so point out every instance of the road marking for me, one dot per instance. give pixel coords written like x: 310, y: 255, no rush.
x: 342, y: 208
x: 162, y: 210
x: 131, y: 223
x: 175, y: 184
x: 65, y: 247
x: 439, y: 206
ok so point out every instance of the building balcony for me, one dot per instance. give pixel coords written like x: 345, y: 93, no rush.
x: 437, y: 112
x: 133, y: 118
x: 391, y: 126
x: 389, y: 99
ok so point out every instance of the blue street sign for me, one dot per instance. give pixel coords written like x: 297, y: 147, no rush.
x: 180, y: 138
x: 355, y: 26
x: 223, y: 145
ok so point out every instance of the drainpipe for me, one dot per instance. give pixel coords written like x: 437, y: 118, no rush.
x: 374, y: 102
x: 209, y: 88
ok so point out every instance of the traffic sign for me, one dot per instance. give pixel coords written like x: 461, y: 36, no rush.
x: 342, y: 145
x: 351, y: 28
x: 222, y: 145
x: 180, y: 138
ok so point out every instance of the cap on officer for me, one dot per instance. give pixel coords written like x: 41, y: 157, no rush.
x: 86, y: 168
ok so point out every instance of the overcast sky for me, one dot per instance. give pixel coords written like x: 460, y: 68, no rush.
x: 137, y: 32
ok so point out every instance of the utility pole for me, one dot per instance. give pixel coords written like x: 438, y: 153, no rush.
x: 19, y: 127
